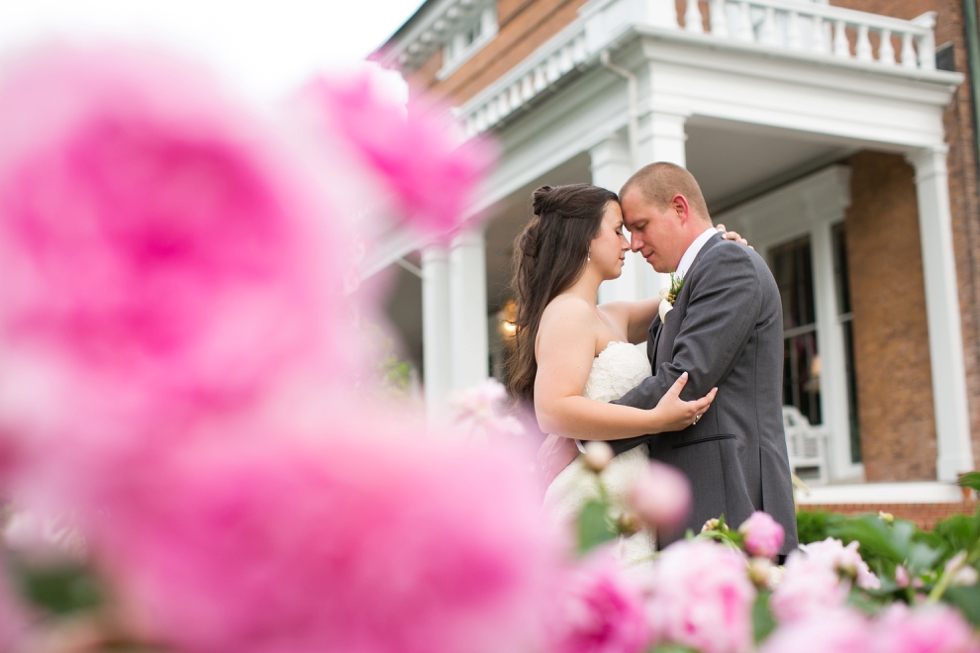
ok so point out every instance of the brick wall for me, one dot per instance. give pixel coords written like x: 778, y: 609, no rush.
x: 523, y: 26
x: 962, y: 163
x: 891, y: 350
x: 924, y: 515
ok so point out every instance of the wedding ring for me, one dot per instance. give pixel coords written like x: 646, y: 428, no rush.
x: 696, y: 418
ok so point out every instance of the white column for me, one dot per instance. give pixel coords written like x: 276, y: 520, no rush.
x: 830, y: 348
x: 468, y: 309
x: 611, y: 166
x: 943, y: 314
x: 661, y: 138
x: 436, y: 363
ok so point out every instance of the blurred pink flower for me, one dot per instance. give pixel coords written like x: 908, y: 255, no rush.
x: 901, y: 576
x: 157, y: 242
x: 837, y: 631
x: 808, y: 587
x: 371, y: 539
x: 763, y: 535
x: 482, y: 409
x: 432, y: 178
x: 661, y: 496
x: 599, y: 610
x: 927, y: 629
x: 13, y: 619
x: 701, y: 598
x: 843, y: 559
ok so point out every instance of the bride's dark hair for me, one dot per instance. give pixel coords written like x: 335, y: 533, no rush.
x: 549, y: 256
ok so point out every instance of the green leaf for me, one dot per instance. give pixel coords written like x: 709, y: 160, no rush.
x: 922, y: 556
x: 762, y: 620
x: 876, y: 537
x: 593, y: 527
x: 672, y: 648
x: 971, y: 480
x: 967, y: 600
x: 61, y: 589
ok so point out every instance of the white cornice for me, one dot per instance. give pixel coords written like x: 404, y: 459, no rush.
x: 427, y: 32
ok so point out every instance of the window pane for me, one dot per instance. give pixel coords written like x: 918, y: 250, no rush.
x: 792, y: 269
x: 841, y: 277
x: 801, y: 375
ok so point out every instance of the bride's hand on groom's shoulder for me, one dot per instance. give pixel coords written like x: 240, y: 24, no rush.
x: 675, y: 414
x: 732, y: 235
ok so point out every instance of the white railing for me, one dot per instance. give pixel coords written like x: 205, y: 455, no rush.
x: 792, y: 26
x: 817, y: 28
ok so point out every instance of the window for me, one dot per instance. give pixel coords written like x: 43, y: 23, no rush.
x: 469, y: 39
x: 845, y: 317
x: 792, y: 269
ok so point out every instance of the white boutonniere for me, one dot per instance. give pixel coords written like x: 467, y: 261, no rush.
x: 669, y: 295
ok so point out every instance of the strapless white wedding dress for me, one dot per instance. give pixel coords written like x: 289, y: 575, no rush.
x: 619, y: 368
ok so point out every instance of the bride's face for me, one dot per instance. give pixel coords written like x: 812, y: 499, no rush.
x: 608, y: 251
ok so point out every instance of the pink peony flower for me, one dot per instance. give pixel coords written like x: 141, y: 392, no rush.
x: 844, y: 559
x: 701, y: 598
x: 763, y: 536
x: 432, y: 179
x: 598, y: 610
x: 158, y: 244
x: 928, y: 629
x: 808, y: 587
x: 374, y: 539
x: 482, y: 410
x: 836, y: 631
x: 662, y: 496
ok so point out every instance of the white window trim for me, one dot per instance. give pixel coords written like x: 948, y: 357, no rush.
x: 817, y: 202
x: 488, y: 18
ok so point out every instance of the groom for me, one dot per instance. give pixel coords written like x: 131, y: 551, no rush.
x: 725, y: 330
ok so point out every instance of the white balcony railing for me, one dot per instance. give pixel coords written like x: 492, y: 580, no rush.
x: 794, y: 27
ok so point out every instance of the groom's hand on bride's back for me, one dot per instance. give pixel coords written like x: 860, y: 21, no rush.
x: 678, y: 414
x: 732, y: 235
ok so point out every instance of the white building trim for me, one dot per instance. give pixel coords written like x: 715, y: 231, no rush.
x: 872, y: 493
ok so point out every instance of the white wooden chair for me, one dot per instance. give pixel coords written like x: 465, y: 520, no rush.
x: 806, y: 445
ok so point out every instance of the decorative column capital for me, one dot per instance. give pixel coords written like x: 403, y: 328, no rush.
x: 928, y: 161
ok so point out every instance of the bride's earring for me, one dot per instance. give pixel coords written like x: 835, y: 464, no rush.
x: 588, y: 256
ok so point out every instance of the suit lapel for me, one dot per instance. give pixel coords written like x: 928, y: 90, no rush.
x: 661, y: 346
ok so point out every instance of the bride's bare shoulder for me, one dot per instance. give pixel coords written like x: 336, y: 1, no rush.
x: 567, y: 311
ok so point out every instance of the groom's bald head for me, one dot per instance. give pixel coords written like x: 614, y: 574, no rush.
x: 658, y: 184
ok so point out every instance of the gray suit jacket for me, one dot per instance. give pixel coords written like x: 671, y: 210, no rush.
x: 725, y: 330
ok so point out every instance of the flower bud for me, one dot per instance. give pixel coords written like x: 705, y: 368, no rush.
x: 711, y: 525
x: 661, y: 496
x: 598, y: 455
x: 763, y: 535
x: 886, y: 517
x: 761, y: 572
x: 966, y: 575
x: 901, y: 576
x: 628, y: 524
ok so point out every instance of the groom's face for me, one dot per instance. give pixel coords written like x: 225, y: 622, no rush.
x: 656, y: 234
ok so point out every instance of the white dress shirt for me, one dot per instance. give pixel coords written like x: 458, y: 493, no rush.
x: 692, y: 252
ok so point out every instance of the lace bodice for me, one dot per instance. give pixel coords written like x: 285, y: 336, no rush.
x: 617, y: 369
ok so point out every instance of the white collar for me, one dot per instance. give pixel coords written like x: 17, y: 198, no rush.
x: 692, y: 252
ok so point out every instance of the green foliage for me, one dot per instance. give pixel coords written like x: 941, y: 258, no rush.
x: 814, y: 526
x: 594, y: 527
x: 763, y: 622
x: 61, y: 589
x: 971, y: 480
x: 967, y: 599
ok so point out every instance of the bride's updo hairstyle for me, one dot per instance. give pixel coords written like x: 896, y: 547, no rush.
x: 549, y: 256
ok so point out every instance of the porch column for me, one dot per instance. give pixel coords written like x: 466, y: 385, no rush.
x: 661, y: 138
x: 611, y: 166
x: 468, y: 309
x: 942, y: 314
x: 436, y: 363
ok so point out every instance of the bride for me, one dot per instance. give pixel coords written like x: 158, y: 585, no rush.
x: 573, y: 356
